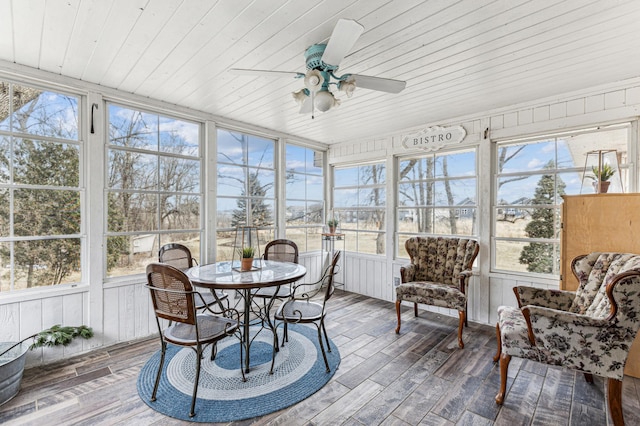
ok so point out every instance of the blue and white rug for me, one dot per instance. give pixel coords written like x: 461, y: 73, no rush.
x: 298, y: 373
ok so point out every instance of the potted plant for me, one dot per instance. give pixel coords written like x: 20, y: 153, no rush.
x: 332, y: 224
x: 601, y: 177
x: 246, y: 253
x: 13, y: 355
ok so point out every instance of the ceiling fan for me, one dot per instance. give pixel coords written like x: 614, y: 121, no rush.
x: 322, y: 62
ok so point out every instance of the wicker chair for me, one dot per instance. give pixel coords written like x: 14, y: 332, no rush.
x: 179, y: 256
x: 173, y: 299
x: 283, y: 251
x: 589, y: 330
x: 299, y: 309
x: 438, y: 275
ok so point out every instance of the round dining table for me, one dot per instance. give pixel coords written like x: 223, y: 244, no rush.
x: 228, y: 276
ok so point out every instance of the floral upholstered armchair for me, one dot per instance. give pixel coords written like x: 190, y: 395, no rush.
x: 438, y: 275
x: 589, y: 330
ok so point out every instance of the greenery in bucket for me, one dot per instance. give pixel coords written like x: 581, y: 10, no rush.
x: 247, y: 252
x: 333, y: 223
x: 55, y: 336
x: 604, y: 174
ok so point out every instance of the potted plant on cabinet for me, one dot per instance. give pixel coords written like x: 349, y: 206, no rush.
x: 601, y: 177
x: 246, y: 263
x: 13, y: 355
x: 332, y: 224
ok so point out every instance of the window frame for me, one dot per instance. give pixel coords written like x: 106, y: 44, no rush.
x: 160, y: 233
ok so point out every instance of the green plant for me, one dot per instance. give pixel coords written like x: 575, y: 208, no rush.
x: 332, y: 223
x: 604, y: 174
x: 247, y: 252
x: 55, y: 336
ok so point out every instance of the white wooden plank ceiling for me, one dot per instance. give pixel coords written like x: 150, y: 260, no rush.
x: 458, y: 57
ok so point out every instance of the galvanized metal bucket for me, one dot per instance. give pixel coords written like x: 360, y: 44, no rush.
x: 11, y: 369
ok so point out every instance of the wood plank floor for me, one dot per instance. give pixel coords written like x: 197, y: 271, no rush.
x: 418, y: 377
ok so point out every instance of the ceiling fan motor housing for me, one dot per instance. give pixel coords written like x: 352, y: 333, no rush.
x: 313, y: 58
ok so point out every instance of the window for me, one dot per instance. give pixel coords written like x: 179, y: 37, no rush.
x: 245, y: 190
x: 304, y: 195
x: 40, y: 188
x: 532, y: 175
x: 359, y: 200
x: 437, y: 195
x: 153, y: 187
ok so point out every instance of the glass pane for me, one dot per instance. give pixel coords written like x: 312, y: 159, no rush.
x: 374, y: 174
x: 46, y: 163
x: 5, y: 155
x: 296, y: 159
x: 130, y: 212
x: 348, y: 219
x: 133, y: 129
x: 231, y: 180
x: 46, y: 262
x: 261, y: 152
x: 180, y: 211
x: 416, y: 194
x: 46, y: 212
x: 525, y: 190
x: 39, y: 112
x: 224, y: 245
x: 296, y: 213
x: 455, y: 221
x: 179, y: 175
x: 415, y: 220
x: 5, y: 261
x: 262, y: 211
x: 372, y: 197
x: 346, y: 177
x: 416, y: 169
x: 457, y: 164
x: 190, y: 240
x: 4, y: 212
x: 542, y: 258
x: 572, y: 150
x: 132, y: 170
x: 570, y: 183
x: 454, y: 192
x: 232, y: 147
x: 371, y: 220
x: 179, y: 137
x: 130, y: 254
x: 261, y: 183
x: 402, y: 251
x: 314, y: 212
x: 230, y: 211
x: 345, y: 197
x: 528, y: 156
x: 371, y: 243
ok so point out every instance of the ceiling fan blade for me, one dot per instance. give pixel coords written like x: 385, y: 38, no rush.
x: 265, y: 73
x: 377, y: 83
x: 305, y: 108
x: 343, y: 37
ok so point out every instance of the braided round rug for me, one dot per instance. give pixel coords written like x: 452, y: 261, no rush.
x: 299, y: 372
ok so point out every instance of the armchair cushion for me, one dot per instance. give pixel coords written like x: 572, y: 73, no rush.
x: 555, y: 299
x: 431, y: 293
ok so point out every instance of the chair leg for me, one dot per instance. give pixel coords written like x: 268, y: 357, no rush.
x: 614, y: 400
x: 588, y: 378
x: 324, y: 355
x: 504, y: 368
x: 326, y: 337
x: 496, y: 357
x: 461, y: 322
x: 155, y: 387
x: 398, y: 303
x: 192, y: 412
x: 415, y: 309
x: 466, y: 319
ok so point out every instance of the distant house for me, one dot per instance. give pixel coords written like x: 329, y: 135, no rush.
x: 466, y: 208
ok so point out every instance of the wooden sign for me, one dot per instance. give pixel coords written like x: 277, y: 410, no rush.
x: 434, y: 138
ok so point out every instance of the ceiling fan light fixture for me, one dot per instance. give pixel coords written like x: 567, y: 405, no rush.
x: 313, y: 80
x: 347, y: 86
x: 300, y: 96
x: 324, y: 101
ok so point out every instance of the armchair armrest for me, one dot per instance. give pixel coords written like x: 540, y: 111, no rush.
x: 554, y: 299
x: 463, y: 279
x: 408, y: 273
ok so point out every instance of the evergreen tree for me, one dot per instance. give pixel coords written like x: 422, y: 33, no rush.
x: 539, y: 256
x: 260, y: 214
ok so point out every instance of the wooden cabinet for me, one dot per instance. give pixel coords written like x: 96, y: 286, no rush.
x: 600, y: 222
